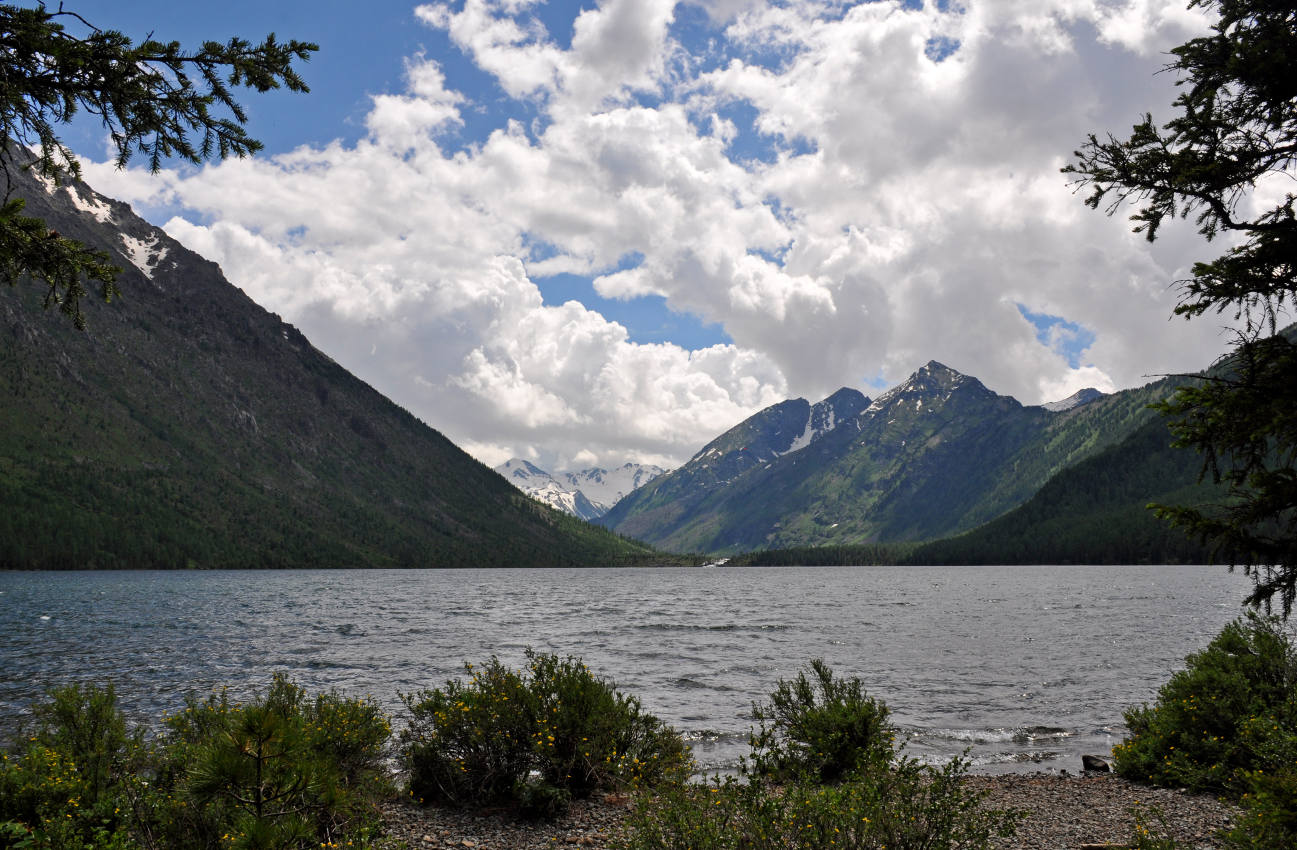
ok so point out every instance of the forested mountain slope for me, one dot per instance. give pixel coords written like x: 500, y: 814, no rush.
x: 188, y: 427
x: 1094, y: 513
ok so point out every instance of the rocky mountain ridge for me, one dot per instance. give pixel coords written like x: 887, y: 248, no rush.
x: 935, y: 455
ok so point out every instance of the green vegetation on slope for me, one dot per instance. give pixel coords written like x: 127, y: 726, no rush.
x: 937, y: 456
x: 1093, y: 513
x: 188, y: 427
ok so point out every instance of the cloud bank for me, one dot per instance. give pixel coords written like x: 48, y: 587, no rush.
x: 847, y: 190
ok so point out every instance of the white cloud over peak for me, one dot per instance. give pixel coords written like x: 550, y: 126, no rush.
x: 848, y: 190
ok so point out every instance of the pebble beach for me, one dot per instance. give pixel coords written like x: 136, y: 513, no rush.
x: 1080, y: 811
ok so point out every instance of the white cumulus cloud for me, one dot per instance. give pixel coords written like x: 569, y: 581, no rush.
x: 847, y: 190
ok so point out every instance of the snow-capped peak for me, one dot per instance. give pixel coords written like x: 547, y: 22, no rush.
x: 587, y: 493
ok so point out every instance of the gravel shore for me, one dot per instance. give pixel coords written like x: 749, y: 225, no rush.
x: 1068, y: 811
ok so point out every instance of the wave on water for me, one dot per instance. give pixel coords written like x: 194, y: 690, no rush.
x: 1002, y: 758
x: 1018, y: 735
x: 716, y: 751
x: 687, y: 683
x: 719, y: 627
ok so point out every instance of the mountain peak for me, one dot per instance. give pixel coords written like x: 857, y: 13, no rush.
x: 940, y: 371
x: 517, y: 468
x: 933, y: 380
x: 1075, y: 400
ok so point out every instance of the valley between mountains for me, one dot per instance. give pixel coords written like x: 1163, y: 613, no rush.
x: 189, y: 427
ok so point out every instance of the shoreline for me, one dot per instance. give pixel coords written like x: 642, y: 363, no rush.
x: 1060, y: 811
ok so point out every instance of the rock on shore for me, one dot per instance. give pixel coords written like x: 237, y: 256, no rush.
x: 1061, y: 812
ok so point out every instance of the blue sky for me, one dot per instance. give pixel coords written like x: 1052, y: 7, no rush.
x: 598, y: 232
x: 362, y: 55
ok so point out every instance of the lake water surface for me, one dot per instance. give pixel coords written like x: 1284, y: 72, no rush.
x: 1027, y: 666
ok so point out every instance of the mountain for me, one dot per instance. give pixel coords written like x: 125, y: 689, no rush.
x: 934, y: 456
x: 543, y: 487
x: 587, y: 493
x: 1075, y: 400
x: 188, y: 427
x: 606, y: 487
x: 1095, y: 512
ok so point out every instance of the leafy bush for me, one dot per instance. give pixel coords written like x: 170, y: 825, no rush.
x: 1228, y: 723
x: 820, y: 728
x: 470, y: 743
x: 284, y: 771
x: 823, y: 773
x: 1230, y: 712
x: 532, y: 739
x: 72, y: 784
x: 591, y: 736
x: 1269, y: 819
x: 904, y: 806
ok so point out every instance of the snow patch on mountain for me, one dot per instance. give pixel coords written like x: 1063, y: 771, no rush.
x: 586, y: 493
x: 144, y: 254
x: 605, y: 488
x: 91, y: 205
x: 1075, y: 400
x: 813, y: 430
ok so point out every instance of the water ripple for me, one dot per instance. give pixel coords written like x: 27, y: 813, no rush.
x: 1027, y: 666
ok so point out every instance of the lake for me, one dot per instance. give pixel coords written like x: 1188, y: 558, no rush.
x: 1028, y: 667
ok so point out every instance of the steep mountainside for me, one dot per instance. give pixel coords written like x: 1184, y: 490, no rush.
x: 937, y: 455
x: 1095, y: 512
x: 666, y: 505
x: 189, y: 427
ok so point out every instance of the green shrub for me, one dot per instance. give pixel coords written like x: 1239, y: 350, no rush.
x: 73, y: 784
x: 820, y: 728
x: 823, y: 773
x: 1231, y: 711
x: 533, y: 739
x: 1269, y: 819
x: 591, y: 736
x: 283, y: 771
x: 1228, y: 723
x: 470, y: 744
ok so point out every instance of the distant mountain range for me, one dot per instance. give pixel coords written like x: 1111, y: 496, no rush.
x: 586, y: 493
x: 188, y: 427
x: 935, y: 456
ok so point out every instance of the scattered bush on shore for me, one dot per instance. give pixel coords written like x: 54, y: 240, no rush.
x: 283, y: 771
x: 820, y: 729
x: 1227, y: 723
x: 823, y: 773
x: 533, y: 739
x: 1228, y: 713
